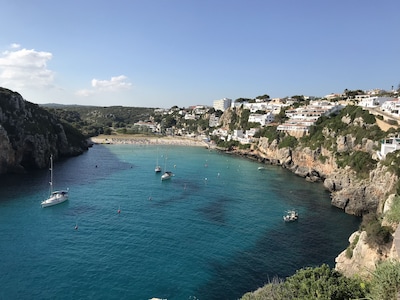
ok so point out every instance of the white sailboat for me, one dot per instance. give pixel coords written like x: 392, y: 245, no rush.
x: 55, y: 197
x: 167, y: 174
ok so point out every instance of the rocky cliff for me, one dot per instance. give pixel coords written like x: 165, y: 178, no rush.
x: 29, y: 134
x: 354, y: 195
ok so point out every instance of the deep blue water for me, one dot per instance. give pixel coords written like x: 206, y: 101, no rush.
x: 214, y: 231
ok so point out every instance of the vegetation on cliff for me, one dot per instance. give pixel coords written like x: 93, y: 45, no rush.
x: 325, y: 283
x: 29, y: 134
x: 95, y: 120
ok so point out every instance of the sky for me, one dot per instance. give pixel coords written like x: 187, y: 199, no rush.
x: 162, y: 53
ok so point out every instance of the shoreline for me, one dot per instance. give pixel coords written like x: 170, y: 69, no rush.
x: 147, y: 140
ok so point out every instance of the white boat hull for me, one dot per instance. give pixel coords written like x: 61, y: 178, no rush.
x: 166, y: 176
x: 55, y: 198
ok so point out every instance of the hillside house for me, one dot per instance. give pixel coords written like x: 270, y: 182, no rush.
x: 392, y: 106
x: 373, y: 101
x: 262, y: 119
x: 387, y: 146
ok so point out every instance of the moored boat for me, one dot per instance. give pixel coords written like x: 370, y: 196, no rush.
x: 56, y: 197
x: 167, y: 175
x: 291, y: 215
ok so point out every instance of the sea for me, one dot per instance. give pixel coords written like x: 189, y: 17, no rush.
x: 213, y: 231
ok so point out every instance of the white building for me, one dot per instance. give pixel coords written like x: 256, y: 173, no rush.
x: 387, y: 146
x: 392, y: 106
x: 214, y: 121
x: 190, y: 117
x: 152, y: 126
x: 222, y: 104
x: 262, y: 119
x: 373, y: 101
x: 303, y: 117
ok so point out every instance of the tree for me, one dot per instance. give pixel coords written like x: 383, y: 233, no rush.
x: 263, y: 97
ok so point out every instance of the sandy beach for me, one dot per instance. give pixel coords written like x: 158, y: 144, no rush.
x: 147, y: 140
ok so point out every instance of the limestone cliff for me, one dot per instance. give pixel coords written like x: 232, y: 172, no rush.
x: 29, y: 134
x: 354, y: 195
x: 364, y: 258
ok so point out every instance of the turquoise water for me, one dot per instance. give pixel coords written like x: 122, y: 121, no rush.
x: 214, y: 231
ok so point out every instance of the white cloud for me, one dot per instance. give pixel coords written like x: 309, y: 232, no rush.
x: 15, y: 46
x: 21, y: 68
x: 115, y: 84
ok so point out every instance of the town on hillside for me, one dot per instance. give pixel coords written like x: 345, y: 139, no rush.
x: 292, y: 115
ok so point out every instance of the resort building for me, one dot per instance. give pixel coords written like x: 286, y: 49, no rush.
x: 300, y: 119
x: 222, y: 104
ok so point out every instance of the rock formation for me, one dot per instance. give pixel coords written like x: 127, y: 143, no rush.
x: 29, y: 134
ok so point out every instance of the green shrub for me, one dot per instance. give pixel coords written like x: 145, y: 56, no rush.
x: 377, y: 234
x: 323, y: 158
x: 392, y: 122
x: 392, y: 161
x: 359, y: 161
x: 349, y: 250
x: 393, y: 215
x: 312, y: 283
x: 385, y: 283
x: 288, y: 142
x: 269, y: 132
x: 322, y: 283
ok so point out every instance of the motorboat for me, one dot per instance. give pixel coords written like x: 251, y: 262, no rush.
x: 167, y: 175
x: 291, y: 215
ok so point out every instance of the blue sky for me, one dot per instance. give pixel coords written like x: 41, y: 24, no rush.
x: 160, y: 53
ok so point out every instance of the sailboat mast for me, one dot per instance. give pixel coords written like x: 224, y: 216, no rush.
x: 51, y: 174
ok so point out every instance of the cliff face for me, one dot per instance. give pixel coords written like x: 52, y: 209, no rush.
x: 364, y: 258
x: 354, y: 195
x: 29, y: 134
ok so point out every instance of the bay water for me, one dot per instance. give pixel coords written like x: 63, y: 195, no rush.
x: 214, y: 231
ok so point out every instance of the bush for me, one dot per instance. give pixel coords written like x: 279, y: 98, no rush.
x: 392, y: 122
x: 393, y: 215
x: 385, y: 284
x: 322, y: 283
x: 312, y: 283
x: 288, y: 142
x: 359, y: 161
x: 377, y: 234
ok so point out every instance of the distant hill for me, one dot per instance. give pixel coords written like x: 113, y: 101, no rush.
x: 94, y: 120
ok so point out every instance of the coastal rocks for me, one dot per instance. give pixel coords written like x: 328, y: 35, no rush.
x: 363, y: 259
x: 338, y: 180
x: 345, y: 143
x: 356, y: 196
